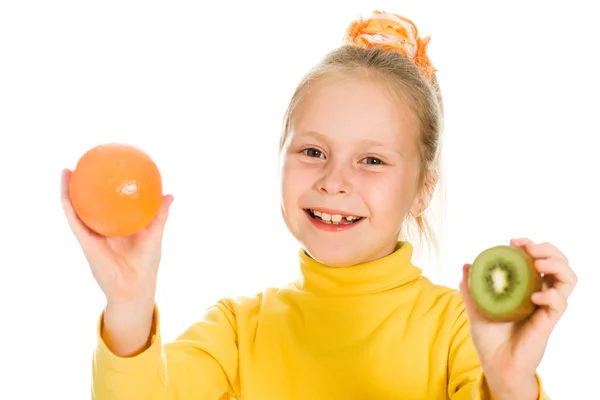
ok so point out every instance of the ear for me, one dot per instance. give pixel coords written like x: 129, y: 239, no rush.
x: 423, y: 198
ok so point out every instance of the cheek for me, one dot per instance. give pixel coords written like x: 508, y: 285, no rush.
x: 295, y: 181
x: 387, y: 194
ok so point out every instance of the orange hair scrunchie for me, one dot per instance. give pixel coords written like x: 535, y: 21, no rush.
x: 392, y: 32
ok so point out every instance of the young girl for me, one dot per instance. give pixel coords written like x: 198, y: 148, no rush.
x: 359, y: 154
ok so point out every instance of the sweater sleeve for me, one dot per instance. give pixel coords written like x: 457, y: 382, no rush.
x: 202, y: 363
x: 465, y: 378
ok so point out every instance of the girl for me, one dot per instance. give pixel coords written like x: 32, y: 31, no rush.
x: 360, y: 161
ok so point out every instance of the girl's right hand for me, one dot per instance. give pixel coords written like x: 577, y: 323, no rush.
x: 125, y: 268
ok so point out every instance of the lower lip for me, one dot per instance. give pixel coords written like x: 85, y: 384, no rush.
x: 331, y: 227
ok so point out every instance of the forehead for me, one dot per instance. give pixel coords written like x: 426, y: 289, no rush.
x: 350, y: 110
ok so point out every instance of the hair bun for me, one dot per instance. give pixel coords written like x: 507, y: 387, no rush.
x: 391, y: 32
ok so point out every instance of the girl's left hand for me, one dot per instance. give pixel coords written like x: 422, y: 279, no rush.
x: 510, y: 352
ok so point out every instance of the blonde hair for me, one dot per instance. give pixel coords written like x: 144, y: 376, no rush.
x: 405, y: 80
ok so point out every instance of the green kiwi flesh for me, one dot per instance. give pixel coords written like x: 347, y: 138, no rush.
x: 501, y: 282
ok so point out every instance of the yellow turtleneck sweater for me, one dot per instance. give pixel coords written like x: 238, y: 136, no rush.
x: 379, y: 330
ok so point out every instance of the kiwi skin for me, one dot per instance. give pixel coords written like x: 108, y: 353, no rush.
x: 523, y: 309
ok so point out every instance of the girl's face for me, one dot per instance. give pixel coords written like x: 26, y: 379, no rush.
x: 349, y: 172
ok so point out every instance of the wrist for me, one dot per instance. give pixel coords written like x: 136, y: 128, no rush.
x: 127, y: 327
x: 129, y: 313
x: 522, y: 389
x: 133, y: 304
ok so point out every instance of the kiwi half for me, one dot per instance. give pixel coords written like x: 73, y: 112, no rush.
x: 502, y: 280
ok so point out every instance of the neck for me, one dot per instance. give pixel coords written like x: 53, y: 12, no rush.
x: 389, y: 272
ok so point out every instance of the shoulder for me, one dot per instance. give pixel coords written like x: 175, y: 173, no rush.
x: 441, y: 300
x: 242, y: 313
x: 245, y: 305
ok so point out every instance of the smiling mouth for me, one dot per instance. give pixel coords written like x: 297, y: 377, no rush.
x: 333, y: 219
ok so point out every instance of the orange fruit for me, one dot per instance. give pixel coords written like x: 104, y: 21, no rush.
x: 115, y: 189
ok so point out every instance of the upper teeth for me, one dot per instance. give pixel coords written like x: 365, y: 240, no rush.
x: 335, y: 218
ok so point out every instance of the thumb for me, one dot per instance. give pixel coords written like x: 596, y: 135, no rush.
x: 83, y: 234
x: 473, y: 312
x: 157, y: 226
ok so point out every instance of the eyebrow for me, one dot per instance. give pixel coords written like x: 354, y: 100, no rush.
x: 316, y: 134
x: 325, y: 138
x: 373, y: 143
x: 367, y: 142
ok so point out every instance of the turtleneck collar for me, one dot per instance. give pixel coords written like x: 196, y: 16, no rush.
x: 390, y: 272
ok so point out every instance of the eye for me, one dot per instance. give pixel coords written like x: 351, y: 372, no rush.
x: 372, y: 161
x: 314, y: 153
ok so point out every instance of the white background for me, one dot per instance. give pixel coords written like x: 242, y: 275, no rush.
x: 203, y: 90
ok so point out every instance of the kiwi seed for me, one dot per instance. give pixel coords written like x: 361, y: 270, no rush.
x: 502, y: 280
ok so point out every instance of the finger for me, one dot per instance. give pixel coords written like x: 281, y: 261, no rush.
x: 80, y: 231
x: 521, y: 242
x: 553, y: 302
x: 551, y: 262
x: 473, y: 311
x: 558, y: 274
x: 157, y: 226
x: 538, y: 327
x: 545, y: 250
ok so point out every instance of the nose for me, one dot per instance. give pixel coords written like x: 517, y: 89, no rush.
x: 335, y: 181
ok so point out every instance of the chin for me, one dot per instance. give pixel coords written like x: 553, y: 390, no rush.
x: 339, y: 249
x: 343, y: 254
